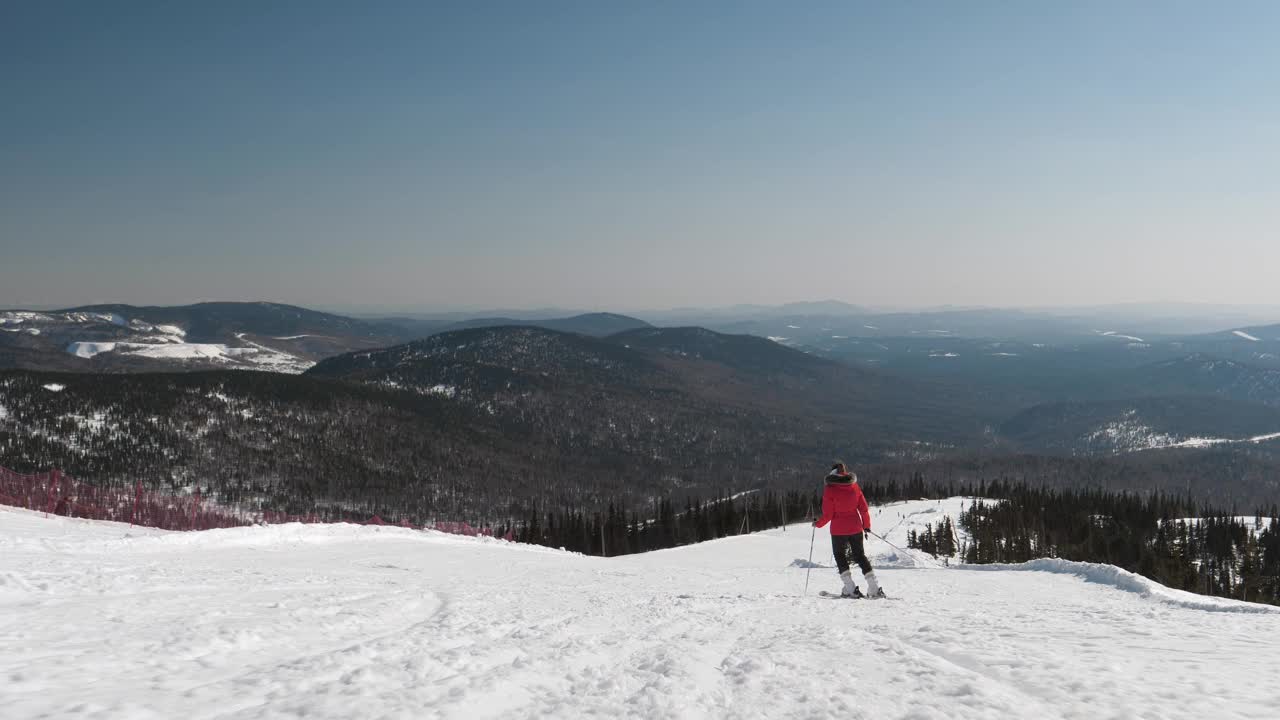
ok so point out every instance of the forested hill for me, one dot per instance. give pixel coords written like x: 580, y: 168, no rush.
x: 856, y: 412
x: 469, y: 450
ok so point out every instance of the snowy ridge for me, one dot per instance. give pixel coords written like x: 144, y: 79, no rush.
x: 89, y: 334
x: 1130, y: 434
x: 1201, y: 442
x: 253, y: 355
x: 338, y: 621
x: 1121, y: 579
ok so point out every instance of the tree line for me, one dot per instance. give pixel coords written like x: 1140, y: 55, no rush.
x: 1168, y: 538
x: 1171, y: 539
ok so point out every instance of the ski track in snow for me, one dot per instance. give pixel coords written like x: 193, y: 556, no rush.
x: 105, y: 621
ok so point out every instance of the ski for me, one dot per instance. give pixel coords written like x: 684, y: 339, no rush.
x: 859, y: 596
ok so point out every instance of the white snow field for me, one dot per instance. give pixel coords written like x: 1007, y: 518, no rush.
x: 100, y: 620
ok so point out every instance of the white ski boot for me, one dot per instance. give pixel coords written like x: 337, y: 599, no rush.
x: 873, y: 585
x: 850, y: 590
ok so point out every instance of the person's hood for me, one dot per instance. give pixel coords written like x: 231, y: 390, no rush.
x: 838, y: 478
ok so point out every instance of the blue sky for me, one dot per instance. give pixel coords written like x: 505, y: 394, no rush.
x: 645, y: 155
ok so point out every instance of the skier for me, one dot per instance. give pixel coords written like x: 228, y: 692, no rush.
x: 845, y: 507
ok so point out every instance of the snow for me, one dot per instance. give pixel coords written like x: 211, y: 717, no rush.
x: 1130, y: 434
x: 55, y: 387
x: 1121, y: 579
x: 169, y: 351
x: 445, y: 390
x: 90, y: 349
x: 17, y: 317
x: 1203, y: 442
x: 174, y: 349
x: 94, y: 423
x: 184, y: 351
x: 4, y: 412
x: 1251, y: 522
x: 171, y: 330
x: 339, y: 621
x: 1245, y: 335
x: 1114, y: 334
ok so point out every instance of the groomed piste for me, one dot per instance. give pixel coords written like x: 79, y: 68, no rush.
x: 103, y: 620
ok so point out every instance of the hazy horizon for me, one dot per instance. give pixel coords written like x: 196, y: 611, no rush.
x: 1231, y: 315
x: 594, y: 157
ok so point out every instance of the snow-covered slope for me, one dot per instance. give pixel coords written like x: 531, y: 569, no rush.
x: 132, y: 342
x: 253, y: 356
x: 101, y: 620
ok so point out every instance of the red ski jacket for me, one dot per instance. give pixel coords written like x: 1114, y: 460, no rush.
x: 844, y: 506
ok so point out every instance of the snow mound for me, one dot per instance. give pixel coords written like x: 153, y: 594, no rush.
x: 1131, y: 582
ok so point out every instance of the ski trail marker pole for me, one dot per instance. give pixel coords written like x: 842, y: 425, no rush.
x: 809, y: 569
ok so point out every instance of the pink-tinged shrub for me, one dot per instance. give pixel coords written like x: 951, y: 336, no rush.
x: 55, y: 493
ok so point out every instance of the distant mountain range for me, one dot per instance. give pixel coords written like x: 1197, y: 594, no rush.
x: 599, y: 405
x: 124, y: 338
x: 252, y: 336
x: 595, y: 324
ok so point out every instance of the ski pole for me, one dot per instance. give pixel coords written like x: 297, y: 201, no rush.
x: 809, y: 568
x: 895, y: 547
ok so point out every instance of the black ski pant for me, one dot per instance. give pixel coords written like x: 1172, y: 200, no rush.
x: 844, y: 546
